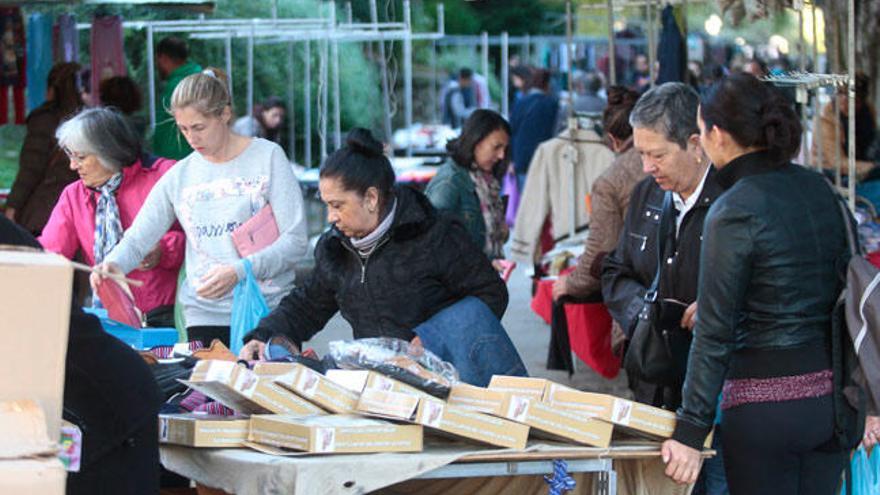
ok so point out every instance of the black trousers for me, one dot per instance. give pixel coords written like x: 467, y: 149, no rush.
x: 772, y: 448
x: 207, y: 333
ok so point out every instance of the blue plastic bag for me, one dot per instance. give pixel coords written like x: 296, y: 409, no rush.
x: 874, y: 464
x: 863, y: 477
x: 248, y: 307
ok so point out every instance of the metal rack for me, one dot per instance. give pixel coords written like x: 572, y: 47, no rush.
x: 326, y: 31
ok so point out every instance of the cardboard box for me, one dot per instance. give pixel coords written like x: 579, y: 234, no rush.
x: 387, y: 404
x: 359, y: 380
x: 477, y: 398
x: 35, y: 298
x: 535, y: 388
x: 552, y: 422
x: 30, y: 463
x: 335, y: 434
x: 243, y: 391
x: 202, y: 430
x: 317, y: 388
x: 471, y: 425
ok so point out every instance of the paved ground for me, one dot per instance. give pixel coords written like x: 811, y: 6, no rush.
x: 529, y: 333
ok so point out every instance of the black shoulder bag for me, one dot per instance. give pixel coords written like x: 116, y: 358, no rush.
x: 659, y: 347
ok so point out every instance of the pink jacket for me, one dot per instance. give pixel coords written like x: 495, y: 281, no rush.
x: 71, y: 228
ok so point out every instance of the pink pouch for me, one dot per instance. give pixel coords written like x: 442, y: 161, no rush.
x: 119, y: 302
x: 255, y: 234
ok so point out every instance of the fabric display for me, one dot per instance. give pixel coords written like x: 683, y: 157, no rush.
x: 672, y: 49
x: 39, y: 57
x: 398, y: 359
x: 13, y: 64
x: 557, y: 164
x: 751, y: 10
x: 65, y: 39
x: 108, y: 54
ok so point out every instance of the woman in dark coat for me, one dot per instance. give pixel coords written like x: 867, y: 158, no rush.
x: 769, y: 277
x: 395, y: 268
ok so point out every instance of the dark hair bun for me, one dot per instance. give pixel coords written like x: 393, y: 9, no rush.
x: 361, y: 141
x: 620, y: 95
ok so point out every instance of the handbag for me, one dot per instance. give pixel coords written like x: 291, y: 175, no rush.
x: 658, y: 349
x: 259, y: 231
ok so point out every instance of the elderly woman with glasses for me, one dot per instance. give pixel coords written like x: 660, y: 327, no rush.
x: 115, y: 177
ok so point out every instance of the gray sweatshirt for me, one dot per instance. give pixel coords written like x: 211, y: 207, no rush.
x: 210, y: 200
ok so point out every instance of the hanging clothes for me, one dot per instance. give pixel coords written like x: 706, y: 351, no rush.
x: 548, y: 189
x: 12, y: 64
x: 108, y: 54
x: 672, y: 49
x: 39, y: 56
x: 65, y: 39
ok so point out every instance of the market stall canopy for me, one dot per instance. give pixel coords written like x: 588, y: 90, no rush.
x: 204, y: 6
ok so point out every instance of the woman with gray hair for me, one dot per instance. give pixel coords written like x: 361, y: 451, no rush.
x: 114, y: 180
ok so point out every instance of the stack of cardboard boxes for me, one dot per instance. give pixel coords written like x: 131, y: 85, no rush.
x: 311, y: 412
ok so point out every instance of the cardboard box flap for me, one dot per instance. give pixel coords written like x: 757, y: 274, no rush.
x: 23, y: 430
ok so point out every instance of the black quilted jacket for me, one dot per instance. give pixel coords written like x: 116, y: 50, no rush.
x: 424, y: 264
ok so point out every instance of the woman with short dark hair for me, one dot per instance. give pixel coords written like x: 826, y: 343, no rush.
x: 468, y: 185
x: 266, y: 122
x: 773, y: 243
x: 395, y: 268
x: 115, y: 177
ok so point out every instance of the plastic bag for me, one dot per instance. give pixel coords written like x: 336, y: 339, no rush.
x: 398, y: 359
x: 509, y: 188
x: 863, y: 476
x: 248, y: 307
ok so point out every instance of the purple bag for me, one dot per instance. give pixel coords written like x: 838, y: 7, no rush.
x: 509, y: 189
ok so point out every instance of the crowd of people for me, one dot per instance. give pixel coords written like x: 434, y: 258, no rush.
x: 702, y: 211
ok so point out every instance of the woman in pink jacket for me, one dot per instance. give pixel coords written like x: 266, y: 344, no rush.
x: 93, y: 212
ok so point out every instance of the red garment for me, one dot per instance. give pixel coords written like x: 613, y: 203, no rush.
x: 589, y: 329
x: 71, y: 228
x: 108, y: 54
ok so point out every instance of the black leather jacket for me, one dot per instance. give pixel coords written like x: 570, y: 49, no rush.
x: 425, y: 263
x: 769, y: 276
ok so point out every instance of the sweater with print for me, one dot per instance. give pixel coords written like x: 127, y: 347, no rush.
x: 210, y: 200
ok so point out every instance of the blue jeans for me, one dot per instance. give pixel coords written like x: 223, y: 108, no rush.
x: 469, y: 335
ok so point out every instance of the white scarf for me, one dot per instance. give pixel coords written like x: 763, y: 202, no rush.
x: 366, y: 245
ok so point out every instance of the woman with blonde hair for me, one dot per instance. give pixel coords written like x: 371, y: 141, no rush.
x: 224, y: 182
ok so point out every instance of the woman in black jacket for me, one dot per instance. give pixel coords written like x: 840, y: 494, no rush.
x: 769, y: 279
x: 396, y: 268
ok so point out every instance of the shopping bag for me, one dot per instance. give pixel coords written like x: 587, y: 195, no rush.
x: 874, y: 463
x: 510, y: 189
x: 863, y: 478
x: 248, y: 307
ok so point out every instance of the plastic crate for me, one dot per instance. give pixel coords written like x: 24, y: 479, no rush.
x: 138, y: 338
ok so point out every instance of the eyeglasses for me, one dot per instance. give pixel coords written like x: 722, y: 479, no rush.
x: 73, y: 156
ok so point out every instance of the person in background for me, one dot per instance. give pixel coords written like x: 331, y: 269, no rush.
x: 641, y: 75
x: 43, y: 168
x: 769, y: 279
x: 460, y: 99
x: 111, y: 396
x: 519, y: 76
x: 393, y: 267
x: 172, y: 61
x: 468, y: 185
x: 609, y: 197
x: 532, y: 121
x: 92, y: 213
x: 222, y: 184
x: 266, y: 122
x: 831, y: 128
x: 586, y: 86
x: 123, y: 94
x: 756, y: 67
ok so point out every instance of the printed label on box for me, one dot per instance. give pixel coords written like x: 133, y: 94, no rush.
x: 308, y: 382
x: 246, y: 382
x: 163, y: 429
x: 519, y: 408
x: 622, y: 412
x: 325, y: 440
x: 382, y: 383
x: 433, y: 413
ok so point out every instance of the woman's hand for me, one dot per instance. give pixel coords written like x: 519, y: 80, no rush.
x: 10, y: 213
x: 95, y: 278
x: 872, y: 432
x: 689, y: 320
x: 217, y: 282
x: 560, y: 288
x: 152, y: 259
x: 682, y: 462
x: 254, y: 348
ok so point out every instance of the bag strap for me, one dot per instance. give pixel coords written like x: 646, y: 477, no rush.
x: 852, y: 239
x: 663, y: 230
